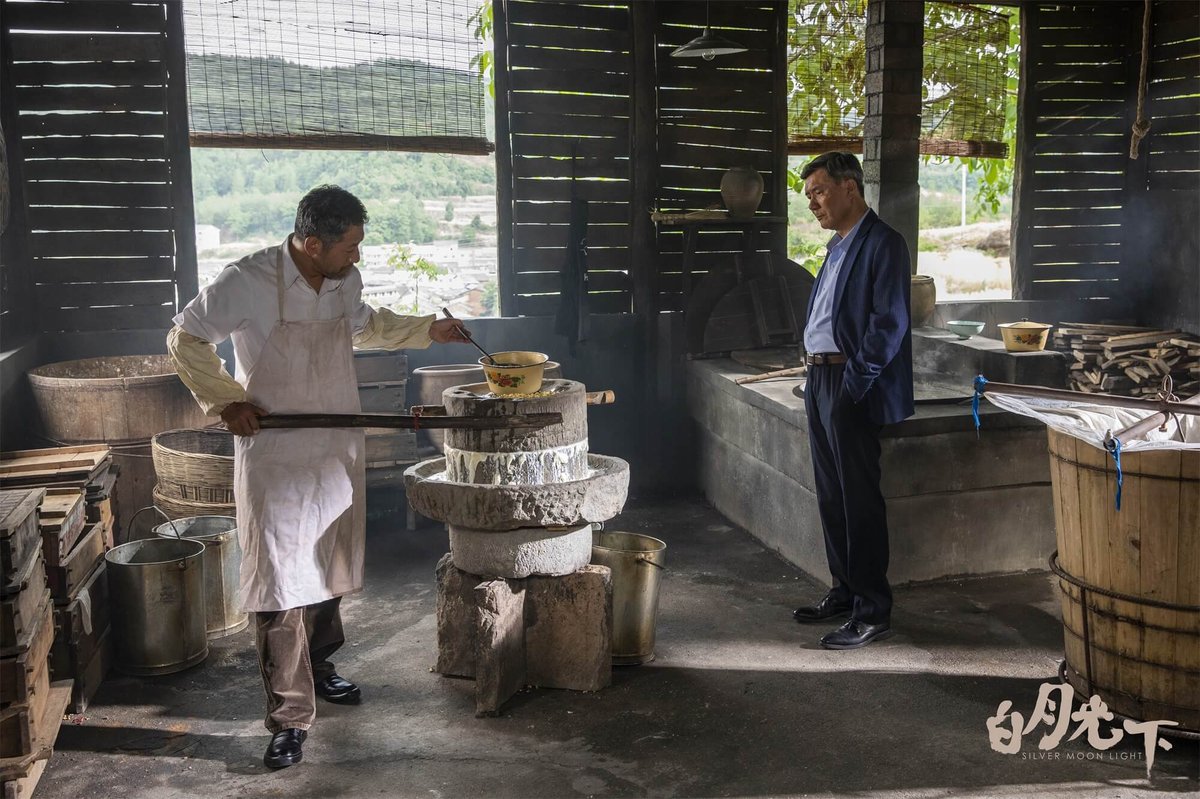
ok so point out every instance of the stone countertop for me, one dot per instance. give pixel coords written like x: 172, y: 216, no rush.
x: 775, y: 397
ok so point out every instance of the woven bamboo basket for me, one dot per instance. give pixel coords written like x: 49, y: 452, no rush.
x: 194, y: 466
x: 178, y: 508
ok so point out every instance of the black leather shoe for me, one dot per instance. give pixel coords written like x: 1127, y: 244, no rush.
x: 827, y: 608
x: 337, y: 690
x: 285, y: 749
x: 854, y: 634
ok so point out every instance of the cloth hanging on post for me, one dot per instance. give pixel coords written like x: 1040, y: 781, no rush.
x: 573, y: 317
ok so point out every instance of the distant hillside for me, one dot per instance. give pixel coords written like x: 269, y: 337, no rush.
x: 392, y: 97
x: 252, y: 194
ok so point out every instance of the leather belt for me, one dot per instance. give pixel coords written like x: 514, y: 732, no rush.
x: 823, y: 358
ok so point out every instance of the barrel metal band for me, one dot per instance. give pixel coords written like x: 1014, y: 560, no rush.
x: 1168, y: 732
x: 1126, y: 472
x: 1136, y: 600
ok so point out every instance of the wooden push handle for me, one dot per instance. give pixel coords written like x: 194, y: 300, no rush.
x: 606, y: 397
x: 402, y: 421
x: 790, y: 372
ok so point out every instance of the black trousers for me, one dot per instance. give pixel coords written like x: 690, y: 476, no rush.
x: 845, y: 455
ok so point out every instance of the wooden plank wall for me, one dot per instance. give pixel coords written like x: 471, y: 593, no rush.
x: 1173, y: 98
x: 714, y: 115
x: 1079, y: 65
x: 569, y: 90
x: 106, y: 179
x: 571, y: 84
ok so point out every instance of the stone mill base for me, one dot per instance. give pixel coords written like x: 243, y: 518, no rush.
x: 549, y: 632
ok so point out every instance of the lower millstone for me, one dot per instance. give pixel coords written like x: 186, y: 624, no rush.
x: 519, y: 553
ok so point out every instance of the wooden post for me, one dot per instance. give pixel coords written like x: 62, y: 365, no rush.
x: 1020, y: 256
x: 779, y: 145
x: 644, y: 238
x: 506, y: 269
x: 179, y: 155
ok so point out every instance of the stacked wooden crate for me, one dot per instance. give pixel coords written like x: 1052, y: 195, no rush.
x: 76, y: 527
x: 1130, y: 361
x: 31, y: 707
x: 382, y: 385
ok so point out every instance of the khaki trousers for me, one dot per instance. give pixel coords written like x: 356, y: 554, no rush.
x: 294, y: 647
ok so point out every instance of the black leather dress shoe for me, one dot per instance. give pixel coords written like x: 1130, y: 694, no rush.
x: 337, y: 690
x: 827, y: 608
x: 285, y: 749
x: 854, y: 634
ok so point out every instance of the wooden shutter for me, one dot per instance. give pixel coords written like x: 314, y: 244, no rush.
x: 567, y: 90
x: 104, y: 165
x: 712, y: 116
x: 1173, y: 98
x: 1079, y: 75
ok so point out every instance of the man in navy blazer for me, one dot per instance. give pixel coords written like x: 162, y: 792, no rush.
x: 858, y: 341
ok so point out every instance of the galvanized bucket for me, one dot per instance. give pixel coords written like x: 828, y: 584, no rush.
x: 637, y: 563
x: 156, y: 591
x: 222, y: 563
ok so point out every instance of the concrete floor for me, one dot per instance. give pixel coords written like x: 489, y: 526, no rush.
x: 740, y: 702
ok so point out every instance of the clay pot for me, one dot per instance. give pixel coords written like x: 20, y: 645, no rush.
x: 742, y: 190
x: 924, y: 297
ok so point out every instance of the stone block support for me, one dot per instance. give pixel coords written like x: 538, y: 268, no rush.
x: 568, y: 630
x: 892, y: 129
x: 499, y: 643
x: 550, y: 632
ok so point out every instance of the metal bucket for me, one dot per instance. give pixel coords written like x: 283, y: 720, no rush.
x: 222, y: 563
x: 156, y: 591
x: 637, y: 563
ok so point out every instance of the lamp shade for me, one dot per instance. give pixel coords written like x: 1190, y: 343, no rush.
x: 707, y: 45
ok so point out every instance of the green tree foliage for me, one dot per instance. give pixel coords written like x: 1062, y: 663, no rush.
x: 484, y: 62
x: 827, y: 71
x: 404, y: 259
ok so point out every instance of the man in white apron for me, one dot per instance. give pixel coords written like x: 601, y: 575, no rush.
x: 294, y: 312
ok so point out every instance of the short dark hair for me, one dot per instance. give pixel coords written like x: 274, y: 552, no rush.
x: 839, y: 165
x: 327, y: 212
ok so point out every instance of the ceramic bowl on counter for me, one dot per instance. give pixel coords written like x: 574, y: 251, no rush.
x: 964, y: 329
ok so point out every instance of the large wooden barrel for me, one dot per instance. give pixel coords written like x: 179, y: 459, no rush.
x: 118, y: 399
x: 1130, y: 579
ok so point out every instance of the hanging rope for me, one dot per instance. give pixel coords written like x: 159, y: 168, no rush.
x: 1141, y: 125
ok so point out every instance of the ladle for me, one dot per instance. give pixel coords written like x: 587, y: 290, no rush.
x: 467, y: 335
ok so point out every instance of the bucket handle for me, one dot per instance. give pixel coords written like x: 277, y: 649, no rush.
x: 160, y: 512
x: 642, y: 557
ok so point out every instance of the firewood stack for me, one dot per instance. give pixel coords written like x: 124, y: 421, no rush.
x: 1130, y: 361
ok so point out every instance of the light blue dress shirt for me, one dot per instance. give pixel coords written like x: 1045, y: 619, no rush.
x: 818, y: 331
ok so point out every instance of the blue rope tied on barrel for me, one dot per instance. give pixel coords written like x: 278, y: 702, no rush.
x: 980, y: 382
x: 1113, y: 445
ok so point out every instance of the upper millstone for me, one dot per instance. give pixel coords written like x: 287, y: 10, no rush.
x: 553, y: 454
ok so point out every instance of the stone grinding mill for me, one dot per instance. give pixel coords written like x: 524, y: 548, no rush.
x: 517, y: 601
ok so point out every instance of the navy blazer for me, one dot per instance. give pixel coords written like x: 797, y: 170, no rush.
x: 871, y: 324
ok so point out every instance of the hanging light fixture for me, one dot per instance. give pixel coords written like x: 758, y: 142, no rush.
x: 707, y: 45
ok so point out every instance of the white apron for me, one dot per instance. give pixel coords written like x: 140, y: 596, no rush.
x: 301, y: 493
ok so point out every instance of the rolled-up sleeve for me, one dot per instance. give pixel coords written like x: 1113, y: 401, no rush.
x: 200, y: 369
x: 380, y: 328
